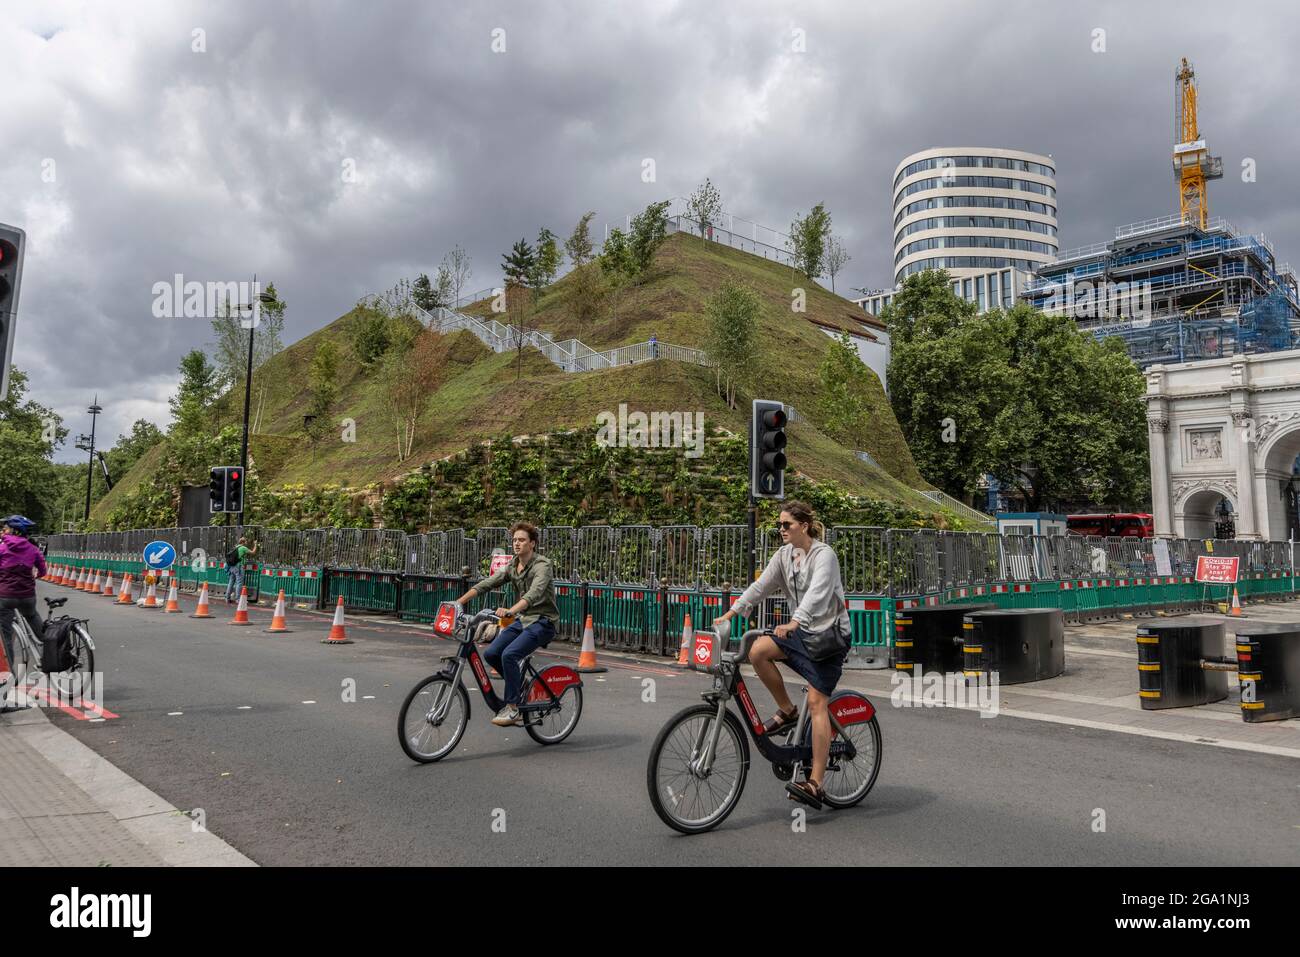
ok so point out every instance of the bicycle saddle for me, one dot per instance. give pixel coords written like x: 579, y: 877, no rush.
x: 53, y: 603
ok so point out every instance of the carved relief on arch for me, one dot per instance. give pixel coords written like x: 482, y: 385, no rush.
x: 1267, y: 425
x: 1180, y: 492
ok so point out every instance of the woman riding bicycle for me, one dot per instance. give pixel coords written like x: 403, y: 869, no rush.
x: 807, y: 571
x: 21, y: 563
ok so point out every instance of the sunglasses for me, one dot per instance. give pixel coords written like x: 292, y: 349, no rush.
x: 787, y: 525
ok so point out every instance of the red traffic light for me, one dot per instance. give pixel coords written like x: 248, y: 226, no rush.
x: 235, y: 476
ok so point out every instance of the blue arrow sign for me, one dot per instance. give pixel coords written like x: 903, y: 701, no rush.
x: 159, y: 555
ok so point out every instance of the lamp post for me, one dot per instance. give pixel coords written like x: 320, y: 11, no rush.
x: 94, y: 411
x: 265, y: 298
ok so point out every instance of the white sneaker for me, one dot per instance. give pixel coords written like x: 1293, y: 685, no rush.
x: 507, y: 716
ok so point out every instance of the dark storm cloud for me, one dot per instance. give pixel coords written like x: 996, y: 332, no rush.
x: 222, y: 163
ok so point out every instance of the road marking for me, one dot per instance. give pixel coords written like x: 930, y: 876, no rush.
x: 1080, y: 650
x: 172, y: 714
x: 244, y: 707
x: 1152, y: 733
x: 368, y: 697
x: 309, y: 702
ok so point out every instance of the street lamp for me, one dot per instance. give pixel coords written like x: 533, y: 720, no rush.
x: 265, y: 298
x: 89, y: 446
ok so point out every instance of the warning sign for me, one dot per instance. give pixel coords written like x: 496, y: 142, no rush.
x: 499, y: 562
x: 1216, y: 571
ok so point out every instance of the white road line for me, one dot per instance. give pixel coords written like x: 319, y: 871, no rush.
x: 173, y: 714
x: 309, y: 702
x: 1152, y: 733
x: 244, y: 707
x: 1080, y: 650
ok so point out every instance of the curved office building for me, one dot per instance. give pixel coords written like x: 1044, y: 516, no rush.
x: 972, y: 210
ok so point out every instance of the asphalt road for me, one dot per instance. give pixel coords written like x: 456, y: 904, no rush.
x: 254, y: 730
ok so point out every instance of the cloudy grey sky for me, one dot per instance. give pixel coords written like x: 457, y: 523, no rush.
x: 230, y: 160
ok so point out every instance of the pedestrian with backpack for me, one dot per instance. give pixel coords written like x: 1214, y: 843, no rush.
x: 235, y: 567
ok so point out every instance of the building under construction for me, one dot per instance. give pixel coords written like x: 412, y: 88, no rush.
x: 1175, y: 291
x: 1180, y: 288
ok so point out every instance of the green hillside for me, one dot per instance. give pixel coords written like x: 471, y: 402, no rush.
x: 478, y: 397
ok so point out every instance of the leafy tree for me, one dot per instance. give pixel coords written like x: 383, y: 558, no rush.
x: 370, y: 334
x: 808, y: 236
x: 837, y: 257
x: 649, y: 230
x: 616, y: 265
x: 578, y: 245
x: 842, y: 400
x: 547, y: 260
x: 198, y: 387
x: 231, y: 331
x: 29, y: 434
x: 584, y: 282
x: 731, y: 343
x: 1023, y: 396
x: 323, y: 386
x: 705, y: 206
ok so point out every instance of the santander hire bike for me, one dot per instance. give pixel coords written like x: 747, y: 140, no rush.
x: 699, y: 761
x: 435, y: 713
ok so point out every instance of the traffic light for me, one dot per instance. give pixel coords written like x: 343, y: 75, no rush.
x: 217, y: 489
x: 235, y: 489
x: 767, y: 450
x: 12, y: 242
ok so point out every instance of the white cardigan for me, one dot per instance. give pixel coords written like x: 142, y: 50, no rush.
x: 818, y: 589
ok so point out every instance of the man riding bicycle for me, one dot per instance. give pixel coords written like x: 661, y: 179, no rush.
x: 535, y: 614
x: 21, y: 563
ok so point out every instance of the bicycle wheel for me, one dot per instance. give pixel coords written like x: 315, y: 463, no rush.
x: 847, y: 782
x: 77, y: 681
x: 685, y: 800
x: 422, y: 740
x: 554, y: 726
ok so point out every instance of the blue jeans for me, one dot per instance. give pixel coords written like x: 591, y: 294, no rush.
x: 512, y: 646
x: 236, y: 575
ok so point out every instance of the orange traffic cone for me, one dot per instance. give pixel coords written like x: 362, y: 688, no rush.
x: 684, y: 652
x: 587, y: 658
x: 126, y: 596
x: 173, y: 601
x: 202, y: 610
x: 61, y: 574
x: 79, y: 583
x: 277, y: 619
x: 241, y: 610
x: 338, y: 635
x: 94, y: 586
x: 1236, y: 604
x: 109, y: 590
x: 150, y: 599
x: 70, y: 580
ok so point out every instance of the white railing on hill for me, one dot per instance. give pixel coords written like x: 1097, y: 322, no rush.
x: 961, y: 508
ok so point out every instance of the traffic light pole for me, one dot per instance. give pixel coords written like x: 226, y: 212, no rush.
x: 90, y: 466
x: 753, y: 539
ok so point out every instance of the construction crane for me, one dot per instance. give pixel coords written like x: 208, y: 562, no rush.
x: 1193, y: 164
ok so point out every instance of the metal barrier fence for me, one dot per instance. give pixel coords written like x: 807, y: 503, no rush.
x: 638, y: 582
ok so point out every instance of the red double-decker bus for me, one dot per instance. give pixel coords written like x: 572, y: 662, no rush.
x: 1117, y: 524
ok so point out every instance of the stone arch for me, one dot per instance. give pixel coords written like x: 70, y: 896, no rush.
x: 1278, y: 447
x: 1194, y: 510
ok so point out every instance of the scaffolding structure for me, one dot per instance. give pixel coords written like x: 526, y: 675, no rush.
x: 1175, y: 292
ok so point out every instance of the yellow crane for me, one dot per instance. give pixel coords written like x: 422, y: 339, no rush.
x: 1193, y: 164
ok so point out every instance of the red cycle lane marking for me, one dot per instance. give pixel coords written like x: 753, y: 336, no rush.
x: 66, y: 709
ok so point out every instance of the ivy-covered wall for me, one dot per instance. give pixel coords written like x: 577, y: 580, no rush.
x: 557, y: 479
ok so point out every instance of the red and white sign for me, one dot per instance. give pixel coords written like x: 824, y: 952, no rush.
x: 702, y: 654
x: 445, y: 623
x: 1216, y: 571
x: 499, y: 562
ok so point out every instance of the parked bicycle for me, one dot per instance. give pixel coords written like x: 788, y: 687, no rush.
x: 434, y: 716
x: 700, y: 760
x: 79, y: 655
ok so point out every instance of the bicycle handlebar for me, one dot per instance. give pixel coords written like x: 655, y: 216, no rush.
x: 747, y: 641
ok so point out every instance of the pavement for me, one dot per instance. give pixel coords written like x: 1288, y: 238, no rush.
x: 285, y: 751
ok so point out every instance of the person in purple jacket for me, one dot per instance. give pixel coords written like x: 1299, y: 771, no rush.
x: 21, y: 563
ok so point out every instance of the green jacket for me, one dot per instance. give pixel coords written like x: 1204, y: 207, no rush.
x: 534, y: 585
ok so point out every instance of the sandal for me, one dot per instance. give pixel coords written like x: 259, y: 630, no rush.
x: 781, y: 720
x: 806, y: 792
